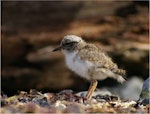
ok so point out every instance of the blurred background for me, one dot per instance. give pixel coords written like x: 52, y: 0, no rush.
x: 30, y: 30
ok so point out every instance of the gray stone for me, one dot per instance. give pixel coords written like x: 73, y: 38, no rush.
x: 99, y: 92
x: 144, y: 96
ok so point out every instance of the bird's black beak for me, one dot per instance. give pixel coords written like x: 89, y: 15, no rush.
x: 57, y: 48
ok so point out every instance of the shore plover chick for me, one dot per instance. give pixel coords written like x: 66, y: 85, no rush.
x: 89, y: 62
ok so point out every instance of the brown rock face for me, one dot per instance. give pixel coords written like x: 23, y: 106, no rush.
x: 30, y: 30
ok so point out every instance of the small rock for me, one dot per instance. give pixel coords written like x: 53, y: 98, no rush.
x: 131, y: 89
x: 48, y: 95
x: 59, y: 105
x: 74, y: 108
x: 66, y: 91
x: 100, y: 92
x: 144, y: 96
x: 106, y: 98
x: 42, y: 102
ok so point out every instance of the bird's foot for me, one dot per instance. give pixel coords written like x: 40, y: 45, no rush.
x: 91, y: 89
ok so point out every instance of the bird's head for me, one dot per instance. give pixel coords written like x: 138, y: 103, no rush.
x: 69, y: 43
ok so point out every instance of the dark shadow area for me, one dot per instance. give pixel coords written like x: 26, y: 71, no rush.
x: 127, y: 10
x: 35, y: 15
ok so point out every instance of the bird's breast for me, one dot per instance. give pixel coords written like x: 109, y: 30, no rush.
x: 77, y: 65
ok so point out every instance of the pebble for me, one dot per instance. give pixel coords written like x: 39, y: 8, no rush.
x: 144, y: 96
x: 95, y: 93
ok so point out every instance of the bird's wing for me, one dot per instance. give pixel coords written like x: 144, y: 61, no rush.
x: 96, y: 56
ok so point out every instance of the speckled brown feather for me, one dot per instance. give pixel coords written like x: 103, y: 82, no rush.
x: 96, y: 56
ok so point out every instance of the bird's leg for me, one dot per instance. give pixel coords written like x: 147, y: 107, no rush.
x: 92, y: 88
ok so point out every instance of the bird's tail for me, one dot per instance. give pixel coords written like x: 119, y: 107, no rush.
x: 120, y: 79
x: 121, y: 75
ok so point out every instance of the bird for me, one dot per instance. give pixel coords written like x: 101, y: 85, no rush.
x: 89, y: 62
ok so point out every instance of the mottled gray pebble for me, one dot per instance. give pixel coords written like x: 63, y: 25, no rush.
x: 145, y: 93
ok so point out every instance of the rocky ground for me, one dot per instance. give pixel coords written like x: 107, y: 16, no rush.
x: 67, y: 102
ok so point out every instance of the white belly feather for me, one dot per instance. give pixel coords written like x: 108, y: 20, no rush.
x: 77, y: 65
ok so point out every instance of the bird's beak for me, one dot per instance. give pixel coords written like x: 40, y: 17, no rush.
x: 57, y: 48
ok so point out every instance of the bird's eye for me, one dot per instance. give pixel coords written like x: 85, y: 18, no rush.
x: 70, y: 43
x: 67, y: 43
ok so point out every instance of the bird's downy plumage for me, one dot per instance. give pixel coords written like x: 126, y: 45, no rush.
x: 88, y: 61
x: 96, y: 56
